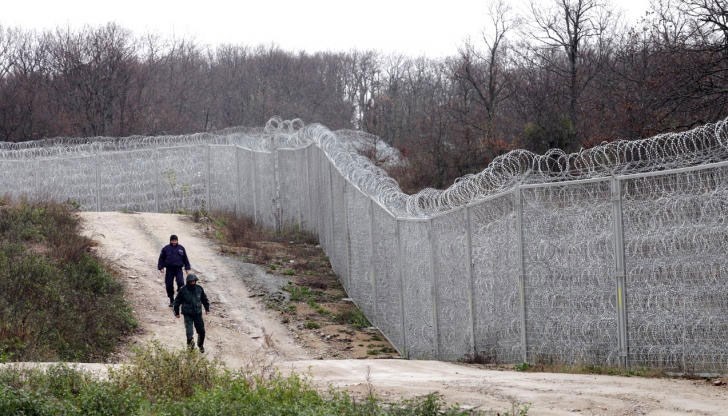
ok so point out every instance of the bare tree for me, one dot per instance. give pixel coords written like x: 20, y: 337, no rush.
x: 483, y: 69
x: 668, y: 25
x: 6, y: 41
x: 712, y: 15
x: 92, y: 77
x: 25, y: 89
x: 580, y: 29
x: 362, y: 81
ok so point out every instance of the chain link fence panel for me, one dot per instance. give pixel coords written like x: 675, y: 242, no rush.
x: 614, y: 255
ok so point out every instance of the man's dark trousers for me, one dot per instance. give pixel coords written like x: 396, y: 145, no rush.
x: 195, y: 319
x: 170, y: 275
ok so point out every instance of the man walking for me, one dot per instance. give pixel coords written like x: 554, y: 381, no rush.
x: 173, y: 258
x: 192, y: 299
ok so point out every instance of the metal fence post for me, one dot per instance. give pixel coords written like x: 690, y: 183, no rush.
x: 237, y: 181
x: 309, y: 193
x: 619, y: 272
x: 208, y: 202
x: 330, y: 236
x: 522, y: 271
x: 277, y: 206
x: 400, y: 269
x: 373, y: 277
x: 98, y: 182
x: 433, y: 287
x: 471, y: 280
x: 348, y: 238
x: 254, y: 180
x: 36, y: 179
x: 301, y: 164
x: 157, y: 178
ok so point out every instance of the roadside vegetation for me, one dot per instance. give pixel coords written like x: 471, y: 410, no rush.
x: 312, y: 302
x: 57, y: 301
x: 590, y: 369
x: 163, y: 382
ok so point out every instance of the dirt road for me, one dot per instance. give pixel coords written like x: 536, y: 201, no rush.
x: 241, y: 330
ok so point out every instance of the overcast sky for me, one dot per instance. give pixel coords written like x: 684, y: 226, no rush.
x: 412, y: 27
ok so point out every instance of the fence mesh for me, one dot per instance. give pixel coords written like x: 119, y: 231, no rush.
x: 451, y: 254
x: 361, y: 277
x: 676, y: 240
x: 223, y: 180
x: 125, y: 180
x: 420, y: 326
x: 614, y: 255
x: 246, y: 180
x: 340, y: 257
x: 182, y: 178
x: 496, y: 270
x: 569, y: 273
x: 388, y: 299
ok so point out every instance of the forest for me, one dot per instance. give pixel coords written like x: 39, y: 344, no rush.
x: 569, y: 74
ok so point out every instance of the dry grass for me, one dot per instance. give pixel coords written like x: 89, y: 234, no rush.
x: 313, y: 302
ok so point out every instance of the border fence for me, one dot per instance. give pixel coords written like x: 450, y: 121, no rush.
x: 614, y: 256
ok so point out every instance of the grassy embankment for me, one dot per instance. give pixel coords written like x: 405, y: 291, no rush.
x: 57, y: 301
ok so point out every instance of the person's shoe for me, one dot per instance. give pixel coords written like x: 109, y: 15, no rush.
x: 202, y: 349
x: 171, y: 303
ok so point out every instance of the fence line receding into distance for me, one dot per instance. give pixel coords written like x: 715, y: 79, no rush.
x: 615, y: 255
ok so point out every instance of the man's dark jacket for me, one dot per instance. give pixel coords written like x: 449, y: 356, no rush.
x: 173, y: 256
x: 192, y: 298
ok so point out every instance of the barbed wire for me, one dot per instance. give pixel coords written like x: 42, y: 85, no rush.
x: 558, y: 234
x: 347, y: 149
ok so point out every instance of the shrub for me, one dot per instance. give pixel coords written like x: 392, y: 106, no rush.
x: 63, y: 390
x: 152, y: 385
x: 164, y: 374
x: 57, y: 300
x: 311, y: 325
x: 20, y: 402
x: 243, y: 231
x: 353, y: 317
x: 239, y: 231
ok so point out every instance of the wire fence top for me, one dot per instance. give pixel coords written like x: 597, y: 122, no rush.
x: 700, y: 148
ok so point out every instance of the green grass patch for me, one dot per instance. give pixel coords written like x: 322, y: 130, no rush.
x: 160, y: 382
x: 353, y: 317
x: 57, y: 302
x: 591, y: 369
x: 311, y: 325
x: 522, y: 367
x: 299, y: 293
x: 318, y: 308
